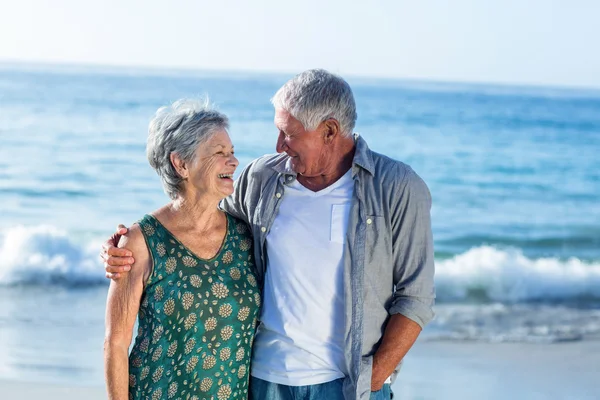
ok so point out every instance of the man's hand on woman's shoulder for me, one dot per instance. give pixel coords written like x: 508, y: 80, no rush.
x: 116, y: 260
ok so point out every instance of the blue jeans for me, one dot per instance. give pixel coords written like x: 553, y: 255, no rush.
x: 263, y: 390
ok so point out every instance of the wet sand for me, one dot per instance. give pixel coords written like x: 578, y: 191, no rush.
x: 440, y: 371
x: 459, y: 370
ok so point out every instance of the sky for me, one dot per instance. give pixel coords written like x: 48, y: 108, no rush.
x: 534, y: 42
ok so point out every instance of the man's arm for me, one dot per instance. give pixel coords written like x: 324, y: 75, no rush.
x: 399, y: 336
x: 414, y: 295
x: 117, y: 261
x: 122, y: 307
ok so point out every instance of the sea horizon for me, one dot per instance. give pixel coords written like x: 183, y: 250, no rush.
x: 192, y: 71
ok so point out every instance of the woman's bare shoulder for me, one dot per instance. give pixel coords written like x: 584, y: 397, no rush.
x: 135, y: 242
x: 134, y: 237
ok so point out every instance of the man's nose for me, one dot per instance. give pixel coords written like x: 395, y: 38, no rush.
x: 281, y: 146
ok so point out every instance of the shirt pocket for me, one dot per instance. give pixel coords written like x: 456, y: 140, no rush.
x: 339, y: 222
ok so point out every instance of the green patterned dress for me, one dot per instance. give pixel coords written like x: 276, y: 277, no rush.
x: 196, y: 320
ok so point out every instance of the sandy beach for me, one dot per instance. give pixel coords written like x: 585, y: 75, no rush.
x: 26, y: 390
x: 459, y: 370
x: 442, y: 370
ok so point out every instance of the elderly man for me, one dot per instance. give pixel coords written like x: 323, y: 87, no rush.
x: 343, y: 243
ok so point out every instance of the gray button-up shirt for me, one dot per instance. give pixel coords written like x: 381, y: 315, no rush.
x: 388, y: 254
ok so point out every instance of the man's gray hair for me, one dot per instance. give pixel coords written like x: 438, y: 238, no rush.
x: 315, y: 96
x: 180, y: 128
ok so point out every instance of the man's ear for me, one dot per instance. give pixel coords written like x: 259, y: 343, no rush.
x: 332, y: 130
x: 179, y: 165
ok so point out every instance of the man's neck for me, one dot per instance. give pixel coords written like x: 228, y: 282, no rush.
x: 320, y: 182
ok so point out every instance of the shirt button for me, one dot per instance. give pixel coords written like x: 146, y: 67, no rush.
x: 278, y: 195
x: 263, y: 229
x: 369, y: 221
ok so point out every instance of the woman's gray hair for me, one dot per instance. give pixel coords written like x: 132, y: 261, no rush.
x: 180, y: 128
x: 315, y: 96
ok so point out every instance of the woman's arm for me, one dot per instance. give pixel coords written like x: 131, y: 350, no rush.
x: 122, y: 307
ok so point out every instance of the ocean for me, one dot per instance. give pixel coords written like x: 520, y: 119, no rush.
x: 514, y: 174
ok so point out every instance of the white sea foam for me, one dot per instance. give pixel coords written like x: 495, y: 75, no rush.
x: 47, y: 255
x: 522, y: 322
x: 509, y: 276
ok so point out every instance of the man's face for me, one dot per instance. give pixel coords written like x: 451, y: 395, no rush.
x: 305, y: 148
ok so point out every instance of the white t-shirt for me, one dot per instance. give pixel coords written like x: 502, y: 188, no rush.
x: 300, y: 340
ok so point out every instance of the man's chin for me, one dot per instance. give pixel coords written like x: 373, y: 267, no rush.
x: 297, y: 167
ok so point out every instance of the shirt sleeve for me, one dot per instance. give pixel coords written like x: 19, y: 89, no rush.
x: 412, y: 240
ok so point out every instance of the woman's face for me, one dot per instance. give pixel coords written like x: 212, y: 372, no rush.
x: 211, y: 170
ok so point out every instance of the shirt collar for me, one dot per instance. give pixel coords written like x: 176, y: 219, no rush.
x: 280, y: 163
x: 362, y: 156
x: 362, y: 159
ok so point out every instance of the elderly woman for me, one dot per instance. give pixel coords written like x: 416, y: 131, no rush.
x: 192, y: 284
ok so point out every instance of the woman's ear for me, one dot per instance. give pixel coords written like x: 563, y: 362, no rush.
x: 179, y: 165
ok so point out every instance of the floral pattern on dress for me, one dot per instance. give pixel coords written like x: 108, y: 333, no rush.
x: 197, y: 319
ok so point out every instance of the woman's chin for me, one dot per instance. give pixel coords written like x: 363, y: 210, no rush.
x: 226, y: 190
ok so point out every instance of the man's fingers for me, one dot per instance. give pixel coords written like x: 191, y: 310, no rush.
x: 116, y: 261
x: 121, y: 229
x: 119, y: 261
x: 117, y: 268
x: 108, y: 244
x: 112, y: 276
x: 113, y: 241
x: 117, y: 252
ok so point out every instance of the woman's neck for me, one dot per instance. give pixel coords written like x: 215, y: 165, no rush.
x: 197, y: 214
